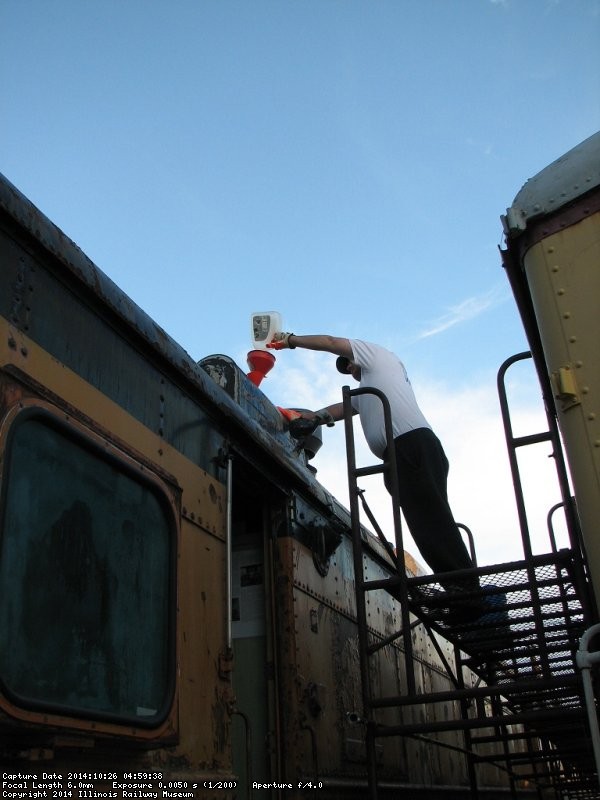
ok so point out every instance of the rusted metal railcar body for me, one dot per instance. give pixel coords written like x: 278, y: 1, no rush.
x: 143, y: 496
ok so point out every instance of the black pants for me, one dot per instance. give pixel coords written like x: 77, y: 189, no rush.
x: 422, y: 478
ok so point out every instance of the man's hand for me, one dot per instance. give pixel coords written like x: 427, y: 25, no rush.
x: 304, y: 423
x: 302, y: 426
x: 281, y: 341
x: 324, y: 418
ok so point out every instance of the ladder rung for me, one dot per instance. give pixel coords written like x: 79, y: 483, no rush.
x: 382, y: 583
x: 534, y: 438
x: 374, y: 470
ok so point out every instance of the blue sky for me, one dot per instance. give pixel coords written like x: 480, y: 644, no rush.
x: 344, y: 162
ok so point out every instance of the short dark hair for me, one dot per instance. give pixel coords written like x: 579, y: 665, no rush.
x: 343, y: 365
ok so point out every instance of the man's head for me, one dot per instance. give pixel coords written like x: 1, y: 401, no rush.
x: 347, y: 367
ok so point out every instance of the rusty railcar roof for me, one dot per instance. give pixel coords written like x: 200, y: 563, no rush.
x: 561, y: 183
x: 76, y: 265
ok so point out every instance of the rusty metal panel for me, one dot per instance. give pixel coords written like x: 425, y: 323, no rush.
x: 323, y: 692
x: 202, y: 496
x: 321, y: 688
x: 54, y: 316
x: 205, y: 691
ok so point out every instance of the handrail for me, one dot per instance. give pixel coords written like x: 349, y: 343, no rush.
x: 585, y: 661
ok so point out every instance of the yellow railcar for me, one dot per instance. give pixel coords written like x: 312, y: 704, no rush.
x: 553, y: 261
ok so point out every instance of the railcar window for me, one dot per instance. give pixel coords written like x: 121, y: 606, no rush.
x: 84, y: 580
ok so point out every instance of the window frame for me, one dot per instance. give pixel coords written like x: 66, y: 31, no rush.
x: 101, y: 447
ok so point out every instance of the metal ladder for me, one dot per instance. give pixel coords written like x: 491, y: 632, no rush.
x: 397, y: 585
x: 366, y: 647
x: 418, y: 594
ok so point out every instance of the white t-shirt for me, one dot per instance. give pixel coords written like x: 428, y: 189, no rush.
x: 383, y: 370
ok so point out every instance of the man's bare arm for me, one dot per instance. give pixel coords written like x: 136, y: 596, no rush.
x: 329, y: 344
x: 336, y: 411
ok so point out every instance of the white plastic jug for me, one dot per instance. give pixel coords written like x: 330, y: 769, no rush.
x: 263, y: 325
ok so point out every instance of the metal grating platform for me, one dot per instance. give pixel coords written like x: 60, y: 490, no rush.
x: 520, y: 633
x: 517, y: 603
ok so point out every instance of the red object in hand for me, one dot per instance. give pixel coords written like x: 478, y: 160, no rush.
x: 260, y: 363
x: 288, y: 413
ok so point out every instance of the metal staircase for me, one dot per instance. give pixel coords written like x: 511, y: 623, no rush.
x: 526, y: 713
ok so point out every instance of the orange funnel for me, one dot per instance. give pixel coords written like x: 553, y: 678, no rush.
x: 260, y: 362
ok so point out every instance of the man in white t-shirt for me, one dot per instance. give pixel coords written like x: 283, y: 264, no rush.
x: 422, y: 463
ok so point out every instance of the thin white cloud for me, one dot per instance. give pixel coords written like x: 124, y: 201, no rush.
x: 468, y: 309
